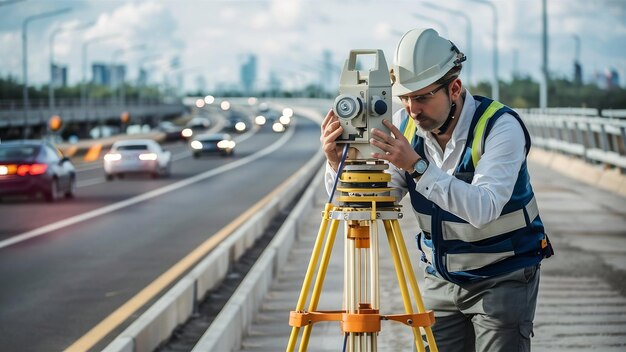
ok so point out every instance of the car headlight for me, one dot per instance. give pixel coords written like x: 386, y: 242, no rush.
x: 285, y: 120
x: 226, y: 144
x: 278, y: 127
x: 187, y: 132
x: 260, y: 120
x: 288, y: 112
x: 240, y: 126
x: 196, y: 145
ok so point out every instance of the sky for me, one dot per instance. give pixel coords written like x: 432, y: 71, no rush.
x: 211, y: 39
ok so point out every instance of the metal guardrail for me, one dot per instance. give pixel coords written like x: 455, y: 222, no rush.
x: 596, y: 139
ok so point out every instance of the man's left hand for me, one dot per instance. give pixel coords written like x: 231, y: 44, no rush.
x: 396, y: 148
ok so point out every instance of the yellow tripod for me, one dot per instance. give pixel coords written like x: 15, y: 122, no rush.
x: 364, y: 201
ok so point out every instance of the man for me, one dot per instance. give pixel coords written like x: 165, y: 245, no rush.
x: 462, y: 159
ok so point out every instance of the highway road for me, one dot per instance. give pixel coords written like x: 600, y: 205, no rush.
x: 66, y: 266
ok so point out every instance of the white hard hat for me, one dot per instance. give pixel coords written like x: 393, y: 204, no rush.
x: 422, y: 57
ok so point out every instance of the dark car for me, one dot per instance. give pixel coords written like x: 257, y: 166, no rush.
x: 33, y: 167
x: 218, y: 143
x: 196, y: 126
x: 172, y: 131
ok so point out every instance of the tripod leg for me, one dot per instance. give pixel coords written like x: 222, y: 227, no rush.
x: 416, y: 291
x: 319, y: 280
x: 400, y: 273
x: 319, y: 240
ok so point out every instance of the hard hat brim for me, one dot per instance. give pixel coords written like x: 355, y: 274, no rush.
x: 399, y: 88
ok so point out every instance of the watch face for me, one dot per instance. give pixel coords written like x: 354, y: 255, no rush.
x: 421, y: 166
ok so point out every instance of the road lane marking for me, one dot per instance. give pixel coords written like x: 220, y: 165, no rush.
x: 145, y: 196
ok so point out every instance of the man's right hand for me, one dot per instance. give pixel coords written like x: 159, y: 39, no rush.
x: 331, y: 130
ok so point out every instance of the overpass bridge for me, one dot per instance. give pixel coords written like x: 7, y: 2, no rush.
x: 79, y: 117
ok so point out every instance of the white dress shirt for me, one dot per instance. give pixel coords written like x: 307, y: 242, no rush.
x: 481, y: 201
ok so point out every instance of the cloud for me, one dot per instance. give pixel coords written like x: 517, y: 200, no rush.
x: 286, y: 13
x: 146, y: 23
x: 11, y: 58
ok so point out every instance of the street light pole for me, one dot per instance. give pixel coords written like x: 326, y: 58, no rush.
x: 56, y: 32
x: 25, y: 60
x: 468, y: 35
x: 495, y: 88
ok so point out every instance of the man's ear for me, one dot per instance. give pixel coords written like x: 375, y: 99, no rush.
x: 456, y: 88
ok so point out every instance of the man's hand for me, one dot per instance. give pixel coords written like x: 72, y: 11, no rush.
x: 331, y: 130
x: 397, y: 149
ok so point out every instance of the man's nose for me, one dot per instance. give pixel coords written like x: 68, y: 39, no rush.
x: 413, y: 108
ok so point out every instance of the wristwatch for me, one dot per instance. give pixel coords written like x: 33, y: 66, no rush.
x: 419, y: 168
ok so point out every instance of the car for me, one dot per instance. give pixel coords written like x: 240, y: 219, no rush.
x: 33, y: 167
x: 217, y: 143
x: 237, y: 122
x: 137, y: 156
x: 195, y: 126
x: 172, y: 131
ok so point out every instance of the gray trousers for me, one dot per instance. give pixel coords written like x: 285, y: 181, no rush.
x: 492, y: 315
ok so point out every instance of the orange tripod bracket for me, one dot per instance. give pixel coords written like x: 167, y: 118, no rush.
x: 366, y: 320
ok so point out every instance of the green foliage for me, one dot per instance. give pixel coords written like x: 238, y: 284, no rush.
x: 523, y: 92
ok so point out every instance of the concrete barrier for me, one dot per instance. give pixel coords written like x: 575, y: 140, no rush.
x: 610, y: 179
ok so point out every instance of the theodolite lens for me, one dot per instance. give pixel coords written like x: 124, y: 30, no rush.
x: 348, y: 106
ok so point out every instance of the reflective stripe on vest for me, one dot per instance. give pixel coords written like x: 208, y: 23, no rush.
x: 465, y: 232
x: 479, y: 132
x: 408, y: 129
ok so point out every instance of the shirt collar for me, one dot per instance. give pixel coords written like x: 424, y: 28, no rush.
x: 462, y: 127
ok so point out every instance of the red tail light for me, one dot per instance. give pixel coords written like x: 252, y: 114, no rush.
x: 31, y: 169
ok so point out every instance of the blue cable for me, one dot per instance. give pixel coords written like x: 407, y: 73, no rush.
x: 345, y: 342
x: 343, y: 159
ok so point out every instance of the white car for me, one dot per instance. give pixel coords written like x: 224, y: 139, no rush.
x: 137, y: 156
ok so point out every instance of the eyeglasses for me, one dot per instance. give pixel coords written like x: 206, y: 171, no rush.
x: 423, y: 98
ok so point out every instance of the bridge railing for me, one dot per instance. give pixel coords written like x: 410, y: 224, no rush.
x: 596, y: 139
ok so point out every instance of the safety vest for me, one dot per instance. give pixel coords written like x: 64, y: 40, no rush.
x: 460, y: 252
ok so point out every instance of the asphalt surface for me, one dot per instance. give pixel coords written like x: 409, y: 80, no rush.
x: 582, y: 295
